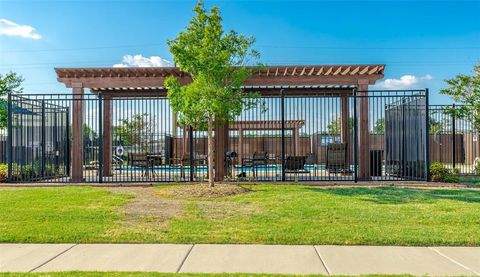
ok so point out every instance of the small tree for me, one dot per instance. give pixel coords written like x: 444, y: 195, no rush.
x: 216, y: 62
x: 135, y: 131
x: 379, y: 127
x: 465, y: 89
x: 334, y: 126
x: 9, y: 83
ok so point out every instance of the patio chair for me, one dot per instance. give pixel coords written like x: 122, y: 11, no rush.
x: 311, y: 159
x: 259, y: 158
x: 156, y: 158
x: 337, y: 158
x: 295, y: 164
x: 182, y: 162
x: 141, y: 161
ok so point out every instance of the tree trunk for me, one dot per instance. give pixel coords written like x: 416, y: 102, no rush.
x: 211, y: 165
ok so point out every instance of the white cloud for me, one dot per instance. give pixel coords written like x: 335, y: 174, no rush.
x: 9, y: 28
x: 405, y: 82
x: 141, y: 61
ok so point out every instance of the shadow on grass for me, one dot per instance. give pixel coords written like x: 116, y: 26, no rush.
x: 391, y: 195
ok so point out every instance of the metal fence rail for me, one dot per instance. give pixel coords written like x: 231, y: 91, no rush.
x: 454, y: 143
x: 285, y: 137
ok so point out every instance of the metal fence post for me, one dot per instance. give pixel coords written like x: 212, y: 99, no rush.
x: 43, y: 138
x: 454, y: 138
x: 67, y: 141
x: 9, y: 137
x: 282, y: 115
x: 404, y: 172
x: 190, y: 144
x: 355, y: 137
x: 100, y: 139
x: 427, y: 136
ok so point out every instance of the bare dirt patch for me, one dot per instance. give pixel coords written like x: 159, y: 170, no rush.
x: 205, y: 191
x: 147, y: 204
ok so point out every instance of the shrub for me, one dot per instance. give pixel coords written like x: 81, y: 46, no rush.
x: 456, y: 170
x: 439, y: 173
x: 476, y: 169
x: 3, y: 173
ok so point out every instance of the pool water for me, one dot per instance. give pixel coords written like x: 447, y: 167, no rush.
x: 203, y: 168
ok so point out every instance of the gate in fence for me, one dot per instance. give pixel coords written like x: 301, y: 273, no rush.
x: 315, y: 136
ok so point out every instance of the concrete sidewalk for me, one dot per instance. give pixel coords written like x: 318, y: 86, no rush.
x: 305, y: 259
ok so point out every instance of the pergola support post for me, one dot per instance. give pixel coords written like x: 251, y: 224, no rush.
x: 363, y: 131
x: 77, y: 133
x: 240, y: 145
x: 221, y: 146
x: 107, y: 135
x: 344, y: 130
x: 296, y: 141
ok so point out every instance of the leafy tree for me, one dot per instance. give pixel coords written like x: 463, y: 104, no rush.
x: 88, y: 133
x: 436, y: 126
x: 334, y: 126
x: 135, y: 131
x: 379, y: 127
x: 465, y: 89
x: 216, y: 61
x: 9, y: 83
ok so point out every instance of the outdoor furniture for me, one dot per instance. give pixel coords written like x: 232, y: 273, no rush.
x: 259, y: 158
x: 295, y: 164
x: 184, y: 161
x: 311, y: 159
x: 337, y: 158
x: 155, y: 158
x: 272, y: 158
x: 140, y: 160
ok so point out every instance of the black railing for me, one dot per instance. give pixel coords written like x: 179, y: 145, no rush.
x: 285, y: 137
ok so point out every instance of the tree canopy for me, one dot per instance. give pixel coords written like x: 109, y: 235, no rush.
x: 465, y: 89
x: 9, y: 83
x: 216, y: 61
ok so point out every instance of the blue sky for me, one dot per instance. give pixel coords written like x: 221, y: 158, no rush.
x: 424, y: 42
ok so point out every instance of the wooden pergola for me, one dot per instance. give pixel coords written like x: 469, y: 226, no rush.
x: 305, y: 80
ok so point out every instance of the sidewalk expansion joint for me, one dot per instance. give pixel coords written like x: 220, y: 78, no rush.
x: 321, y: 260
x: 53, y: 258
x: 454, y: 261
x: 185, y: 258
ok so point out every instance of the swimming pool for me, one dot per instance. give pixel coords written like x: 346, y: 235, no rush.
x: 203, y: 168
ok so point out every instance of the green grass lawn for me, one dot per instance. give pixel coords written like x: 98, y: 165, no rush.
x: 471, y: 180
x: 272, y: 214
x: 68, y: 214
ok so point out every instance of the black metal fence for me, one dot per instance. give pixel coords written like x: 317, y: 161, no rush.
x: 374, y: 135
x: 453, y: 141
